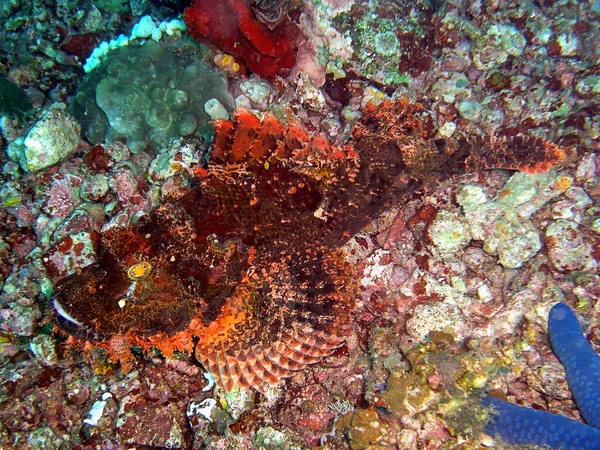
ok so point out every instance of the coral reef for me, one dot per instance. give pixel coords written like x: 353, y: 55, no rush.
x: 451, y: 280
x: 393, y: 40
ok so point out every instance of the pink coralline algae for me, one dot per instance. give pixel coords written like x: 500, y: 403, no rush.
x: 62, y: 196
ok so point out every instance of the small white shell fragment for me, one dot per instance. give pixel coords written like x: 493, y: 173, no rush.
x: 97, y: 410
x: 203, y: 408
x: 215, y: 109
x: 211, y: 382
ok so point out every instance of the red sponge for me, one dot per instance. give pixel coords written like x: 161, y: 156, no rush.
x: 232, y: 26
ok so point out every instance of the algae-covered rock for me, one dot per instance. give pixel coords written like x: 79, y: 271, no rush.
x: 449, y: 233
x: 10, y: 195
x: 568, y: 248
x: 437, y: 316
x: 272, y: 439
x: 367, y: 429
x: 513, y: 242
x: 53, y: 138
x: 43, y: 348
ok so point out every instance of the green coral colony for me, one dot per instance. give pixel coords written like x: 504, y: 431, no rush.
x: 148, y: 94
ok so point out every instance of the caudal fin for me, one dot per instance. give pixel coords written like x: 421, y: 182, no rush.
x: 400, y: 137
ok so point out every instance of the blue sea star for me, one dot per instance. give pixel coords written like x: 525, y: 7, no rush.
x: 520, y: 425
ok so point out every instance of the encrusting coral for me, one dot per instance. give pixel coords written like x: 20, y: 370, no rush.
x: 247, y: 265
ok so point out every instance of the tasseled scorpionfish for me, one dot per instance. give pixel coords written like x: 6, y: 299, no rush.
x: 247, y: 268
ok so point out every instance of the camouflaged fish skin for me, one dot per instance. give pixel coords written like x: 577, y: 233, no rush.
x: 246, y: 269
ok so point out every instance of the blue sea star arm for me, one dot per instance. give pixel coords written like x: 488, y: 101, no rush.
x: 519, y: 425
x: 582, y: 363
